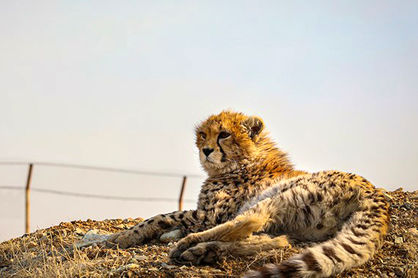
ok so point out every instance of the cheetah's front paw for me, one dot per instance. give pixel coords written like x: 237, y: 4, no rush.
x: 202, y: 253
x: 182, y: 246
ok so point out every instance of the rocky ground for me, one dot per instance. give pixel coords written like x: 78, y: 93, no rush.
x: 49, y: 252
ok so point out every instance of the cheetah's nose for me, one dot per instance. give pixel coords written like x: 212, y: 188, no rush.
x: 207, y: 151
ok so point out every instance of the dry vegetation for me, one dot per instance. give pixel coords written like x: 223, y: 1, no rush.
x: 49, y: 252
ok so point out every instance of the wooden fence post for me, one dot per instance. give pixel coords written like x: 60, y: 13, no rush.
x: 183, y: 185
x: 27, y: 200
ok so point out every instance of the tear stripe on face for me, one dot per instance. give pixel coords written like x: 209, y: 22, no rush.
x: 223, y: 159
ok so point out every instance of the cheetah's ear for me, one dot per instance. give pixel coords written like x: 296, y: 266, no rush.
x: 254, y: 126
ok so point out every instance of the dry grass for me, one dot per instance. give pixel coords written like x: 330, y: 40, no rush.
x: 50, y: 253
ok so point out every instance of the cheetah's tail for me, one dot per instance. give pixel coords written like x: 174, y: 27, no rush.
x: 356, y: 243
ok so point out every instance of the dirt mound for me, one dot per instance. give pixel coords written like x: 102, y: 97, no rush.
x: 49, y: 252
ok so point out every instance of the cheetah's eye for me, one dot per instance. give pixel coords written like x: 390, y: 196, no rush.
x: 224, y: 135
x: 202, y: 135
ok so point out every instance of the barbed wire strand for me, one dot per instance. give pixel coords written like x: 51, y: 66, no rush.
x: 99, y: 168
x: 97, y: 196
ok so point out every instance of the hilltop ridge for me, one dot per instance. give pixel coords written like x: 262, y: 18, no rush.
x: 49, y: 253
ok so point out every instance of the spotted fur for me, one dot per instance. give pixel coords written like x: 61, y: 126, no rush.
x: 253, y: 200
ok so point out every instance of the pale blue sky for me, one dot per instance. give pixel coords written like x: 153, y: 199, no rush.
x: 122, y: 84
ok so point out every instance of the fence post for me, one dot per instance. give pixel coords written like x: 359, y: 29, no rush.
x: 27, y: 200
x: 183, y: 185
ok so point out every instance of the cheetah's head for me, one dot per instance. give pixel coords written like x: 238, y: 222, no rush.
x: 228, y: 140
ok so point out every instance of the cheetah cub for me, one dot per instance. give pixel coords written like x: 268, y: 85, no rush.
x: 253, y: 200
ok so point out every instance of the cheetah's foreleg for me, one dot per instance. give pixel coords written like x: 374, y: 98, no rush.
x: 154, y: 227
x: 253, y: 220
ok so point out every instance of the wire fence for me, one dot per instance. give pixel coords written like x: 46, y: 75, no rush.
x: 27, y: 189
x: 96, y: 196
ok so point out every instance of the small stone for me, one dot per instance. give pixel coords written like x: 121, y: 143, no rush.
x: 140, y: 258
x: 171, y: 236
x: 32, y: 244
x: 399, y: 240
x: 91, y: 238
x: 92, y: 232
x: 121, y: 226
x: 40, y: 235
x: 133, y: 261
x: 125, y: 268
x: 166, y: 266
x: 79, y: 231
